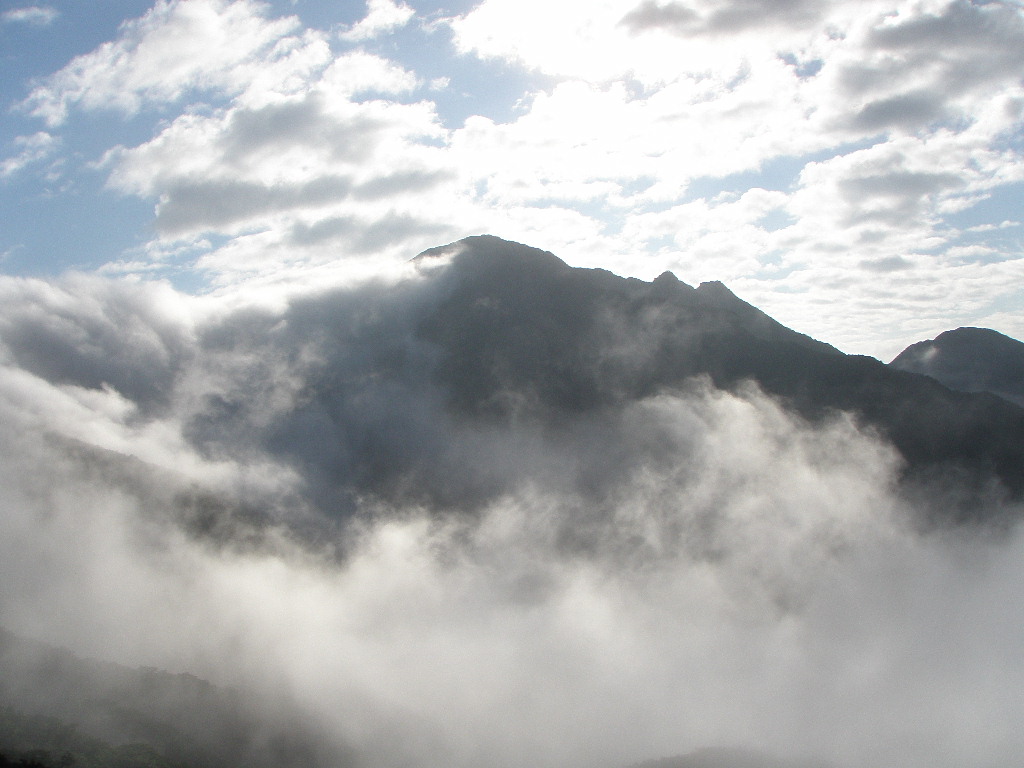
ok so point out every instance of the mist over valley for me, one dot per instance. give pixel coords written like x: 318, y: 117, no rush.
x: 490, y: 509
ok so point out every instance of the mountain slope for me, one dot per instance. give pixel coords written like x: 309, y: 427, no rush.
x: 107, y: 714
x: 489, y: 366
x: 524, y: 334
x: 969, y: 360
x: 489, y: 509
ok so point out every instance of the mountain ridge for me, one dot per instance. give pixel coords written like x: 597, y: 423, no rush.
x: 518, y: 320
x: 107, y: 714
x: 969, y: 359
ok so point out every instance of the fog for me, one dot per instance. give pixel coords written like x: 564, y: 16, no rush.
x: 285, y: 501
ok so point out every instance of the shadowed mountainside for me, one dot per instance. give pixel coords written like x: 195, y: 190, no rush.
x: 59, y: 710
x: 54, y: 703
x: 969, y: 360
x: 523, y: 333
x: 490, y: 366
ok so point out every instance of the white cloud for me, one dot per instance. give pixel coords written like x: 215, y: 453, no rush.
x: 301, y: 154
x: 33, y: 149
x: 36, y: 15
x: 212, y: 46
x: 747, y: 579
x: 568, y: 39
x: 725, y: 239
x: 338, y: 170
x: 595, y: 41
x: 875, y: 69
x: 293, y: 141
x: 906, y: 109
x: 887, y: 118
x: 359, y: 72
x: 382, y: 16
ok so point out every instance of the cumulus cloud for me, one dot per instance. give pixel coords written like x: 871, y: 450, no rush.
x: 33, y: 149
x: 131, y: 339
x: 988, y: 33
x: 652, y: 15
x: 381, y: 16
x: 832, y: 80
x: 283, y: 499
x: 907, y: 110
x: 300, y: 163
x: 367, y: 237
x: 634, y: 129
x: 178, y: 46
x: 922, y: 67
x: 204, y: 206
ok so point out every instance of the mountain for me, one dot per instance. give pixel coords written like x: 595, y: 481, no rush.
x: 515, y: 319
x: 55, y: 704
x: 58, y: 709
x: 490, y: 509
x: 525, y: 335
x: 969, y: 360
x: 491, y: 365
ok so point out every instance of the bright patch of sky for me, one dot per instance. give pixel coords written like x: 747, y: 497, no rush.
x: 853, y: 167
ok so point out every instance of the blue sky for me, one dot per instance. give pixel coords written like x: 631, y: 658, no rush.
x: 853, y: 167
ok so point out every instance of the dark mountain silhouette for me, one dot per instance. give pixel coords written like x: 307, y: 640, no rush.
x: 525, y: 335
x: 970, y: 360
x: 519, y: 323
x: 498, y: 365
x: 57, y: 708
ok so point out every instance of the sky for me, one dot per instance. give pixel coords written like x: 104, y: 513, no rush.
x: 852, y: 167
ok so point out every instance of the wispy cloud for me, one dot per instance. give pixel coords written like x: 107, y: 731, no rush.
x: 382, y: 16
x: 700, y: 565
x: 36, y: 15
x: 32, y: 149
x: 208, y: 45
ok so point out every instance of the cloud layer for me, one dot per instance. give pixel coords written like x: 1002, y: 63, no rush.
x: 235, y: 492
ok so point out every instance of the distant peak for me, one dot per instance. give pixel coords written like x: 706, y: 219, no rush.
x: 715, y: 287
x: 969, y: 359
x: 967, y: 340
x: 489, y: 248
x: 452, y: 249
x: 969, y: 332
x: 716, y: 293
x: 477, y: 243
x: 667, y: 284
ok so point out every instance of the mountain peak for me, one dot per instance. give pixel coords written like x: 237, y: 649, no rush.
x: 523, y: 336
x: 666, y: 277
x: 969, y: 359
x: 715, y: 287
x: 489, y: 247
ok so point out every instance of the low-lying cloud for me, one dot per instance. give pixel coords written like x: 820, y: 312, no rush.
x: 305, y: 512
